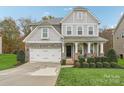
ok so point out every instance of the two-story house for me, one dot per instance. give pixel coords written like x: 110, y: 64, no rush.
x: 118, y: 38
x: 65, y: 38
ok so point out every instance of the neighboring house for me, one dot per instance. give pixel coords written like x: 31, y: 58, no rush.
x: 0, y: 41
x: 118, y: 38
x: 107, y: 34
x: 65, y: 38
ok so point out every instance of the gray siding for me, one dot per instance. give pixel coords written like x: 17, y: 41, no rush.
x: 87, y: 20
x: 53, y: 36
x: 118, y: 41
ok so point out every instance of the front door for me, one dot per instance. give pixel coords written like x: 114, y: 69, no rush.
x: 68, y: 51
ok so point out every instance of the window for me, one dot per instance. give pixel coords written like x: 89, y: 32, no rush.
x: 69, y: 30
x: 45, y: 33
x: 79, y: 15
x: 90, y: 30
x: 79, y: 30
x: 122, y: 35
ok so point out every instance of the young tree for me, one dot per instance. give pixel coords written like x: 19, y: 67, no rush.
x: 112, y: 57
x: 10, y: 34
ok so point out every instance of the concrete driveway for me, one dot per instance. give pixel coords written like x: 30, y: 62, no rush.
x: 31, y: 74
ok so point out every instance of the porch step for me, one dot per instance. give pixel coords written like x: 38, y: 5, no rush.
x: 69, y: 61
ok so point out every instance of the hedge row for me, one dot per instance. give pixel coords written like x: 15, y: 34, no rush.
x: 94, y: 59
x: 97, y: 65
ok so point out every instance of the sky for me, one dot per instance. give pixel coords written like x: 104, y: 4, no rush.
x: 108, y: 15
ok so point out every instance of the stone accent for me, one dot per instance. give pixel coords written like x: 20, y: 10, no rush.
x: 63, y: 56
x: 101, y: 54
x: 76, y: 56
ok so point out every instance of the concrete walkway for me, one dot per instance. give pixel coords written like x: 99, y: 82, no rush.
x: 31, y: 74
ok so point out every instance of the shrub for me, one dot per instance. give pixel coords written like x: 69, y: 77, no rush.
x: 97, y: 59
x: 92, y: 65
x: 81, y: 59
x: 106, y: 65
x: 104, y: 59
x: 77, y: 64
x: 99, y: 64
x: 63, y: 62
x: 90, y: 59
x: 85, y: 65
x: 21, y: 56
x: 114, y: 65
x: 101, y: 59
x: 112, y: 57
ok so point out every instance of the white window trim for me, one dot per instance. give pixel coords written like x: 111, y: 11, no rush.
x: 47, y: 33
x: 88, y: 30
x: 77, y: 30
x: 71, y: 30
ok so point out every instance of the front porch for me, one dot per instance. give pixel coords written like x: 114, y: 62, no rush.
x: 72, y: 47
x: 71, y: 51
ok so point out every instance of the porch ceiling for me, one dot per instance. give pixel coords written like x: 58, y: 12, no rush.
x: 84, y: 39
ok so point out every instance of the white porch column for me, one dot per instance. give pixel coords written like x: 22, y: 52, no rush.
x: 101, y: 49
x: 93, y: 48
x: 76, y: 47
x: 76, y: 50
x: 89, y: 45
x: 97, y: 49
x: 63, y: 48
x: 83, y: 49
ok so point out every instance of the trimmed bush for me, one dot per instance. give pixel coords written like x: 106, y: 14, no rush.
x: 77, y: 64
x: 90, y: 59
x: 99, y: 64
x: 104, y: 59
x: 21, y: 56
x: 85, y: 65
x: 106, y: 65
x: 81, y: 59
x: 112, y: 57
x: 63, y: 62
x: 92, y: 65
x: 97, y: 59
x: 101, y: 59
x: 114, y: 65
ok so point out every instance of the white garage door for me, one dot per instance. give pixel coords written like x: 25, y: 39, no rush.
x: 45, y: 55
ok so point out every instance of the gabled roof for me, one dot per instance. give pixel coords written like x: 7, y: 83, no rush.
x: 53, y: 21
x: 79, y: 8
x: 121, y: 19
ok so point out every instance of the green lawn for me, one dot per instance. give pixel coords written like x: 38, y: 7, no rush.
x: 90, y: 77
x: 7, y: 61
x: 121, y: 62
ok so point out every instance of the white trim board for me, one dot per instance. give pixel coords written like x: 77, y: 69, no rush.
x: 43, y: 42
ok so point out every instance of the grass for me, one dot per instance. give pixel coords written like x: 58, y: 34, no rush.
x: 121, y: 62
x: 90, y: 77
x: 7, y: 61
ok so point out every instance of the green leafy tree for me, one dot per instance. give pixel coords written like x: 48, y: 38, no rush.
x: 112, y: 57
